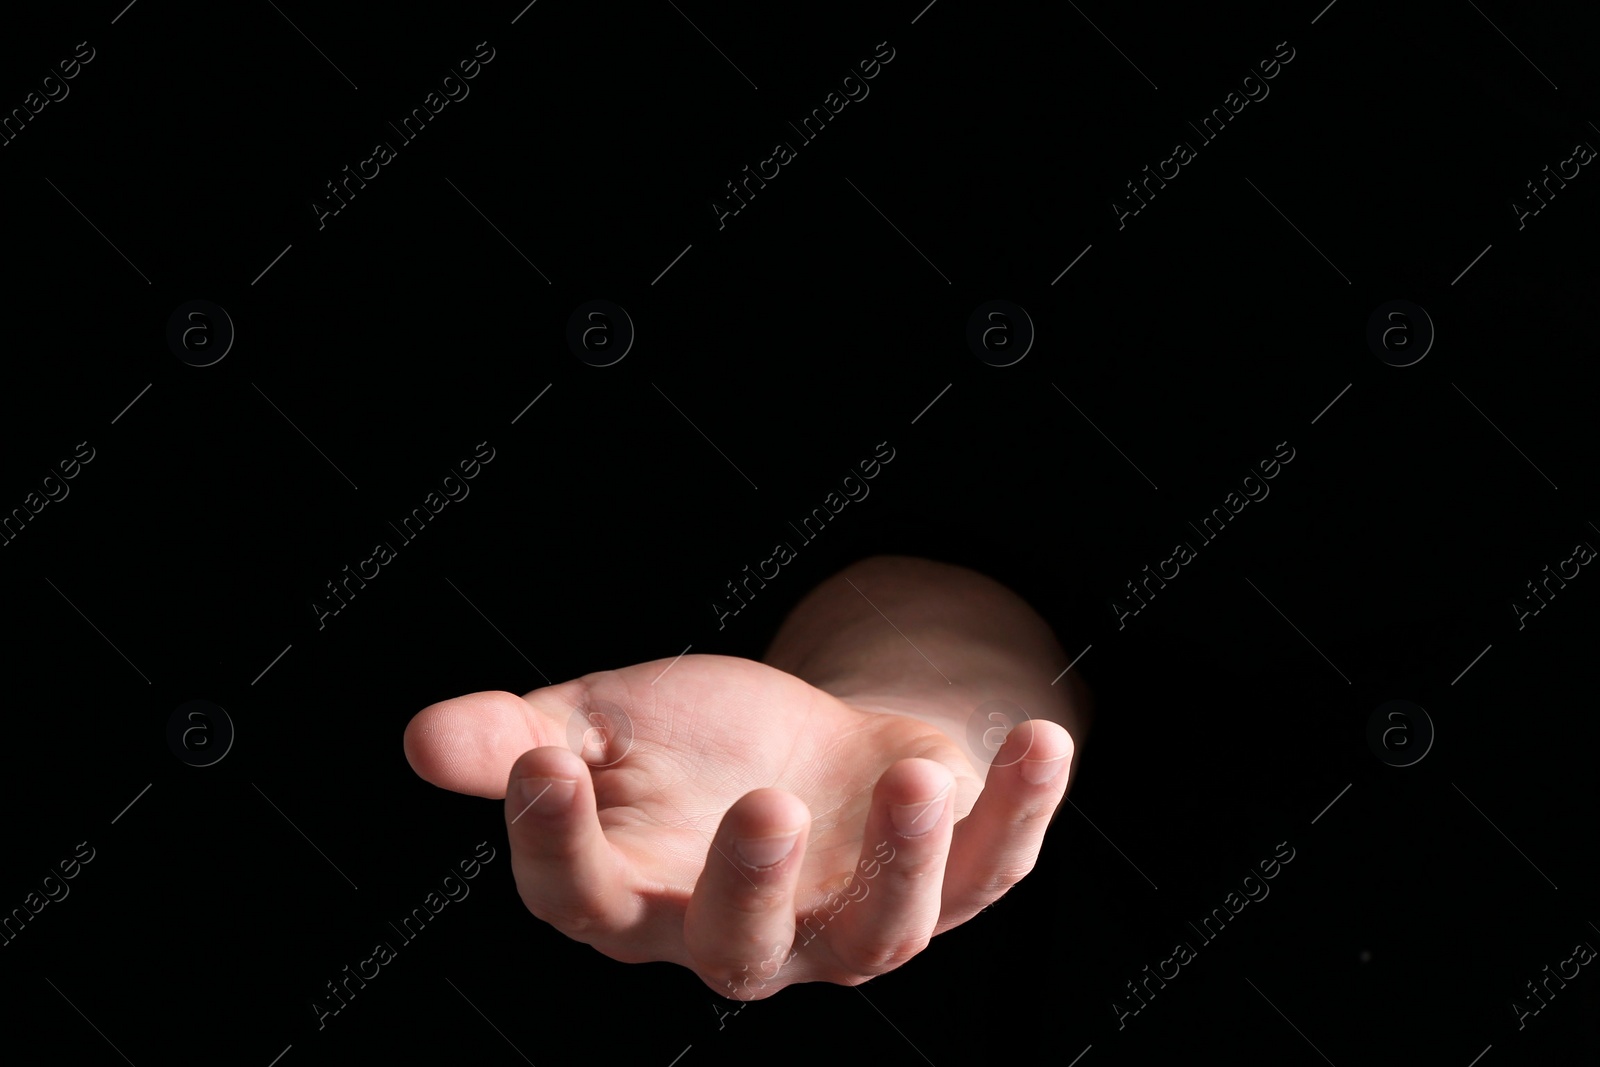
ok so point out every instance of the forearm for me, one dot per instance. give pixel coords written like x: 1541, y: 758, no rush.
x: 916, y: 637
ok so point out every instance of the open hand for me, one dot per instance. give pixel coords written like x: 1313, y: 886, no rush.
x: 727, y: 816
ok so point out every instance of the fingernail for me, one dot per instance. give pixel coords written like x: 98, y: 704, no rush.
x: 765, y: 851
x: 912, y: 820
x: 547, y: 796
x: 1040, y: 771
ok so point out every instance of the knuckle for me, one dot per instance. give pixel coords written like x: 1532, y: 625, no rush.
x: 1031, y: 819
x: 878, y: 957
x: 757, y: 900
x: 623, y: 952
x: 910, y: 869
x: 737, y: 981
x: 1004, y: 878
x: 741, y: 959
x: 550, y: 849
x: 581, y: 921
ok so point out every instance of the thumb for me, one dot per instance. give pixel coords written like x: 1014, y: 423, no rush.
x: 468, y: 744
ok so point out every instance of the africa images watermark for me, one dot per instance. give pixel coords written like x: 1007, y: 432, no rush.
x: 1184, y: 153
x: 1183, y: 953
x: 12, y: 125
x: 1582, y: 554
x: 410, y: 128
x: 12, y: 925
x: 1583, y: 154
x: 784, y: 153
x: 784, y: 553
x: 411, y: 526
x: 55, y: 490
x: 383, y: 953
x: 1184, y: 553
x: 807, y: 930
x: 1582, y: 955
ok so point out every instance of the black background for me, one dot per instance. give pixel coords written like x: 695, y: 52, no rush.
x: 410, y: 327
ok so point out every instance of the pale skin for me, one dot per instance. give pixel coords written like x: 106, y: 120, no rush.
x: 839, y: 774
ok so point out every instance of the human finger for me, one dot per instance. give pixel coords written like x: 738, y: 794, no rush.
x: 998, y: 843
x: 740, y: 921
x: 567, y: 873
x: 894, y: 895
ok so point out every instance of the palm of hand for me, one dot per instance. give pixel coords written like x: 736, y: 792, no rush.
x: 678, y: 768
x: 730, y: 726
